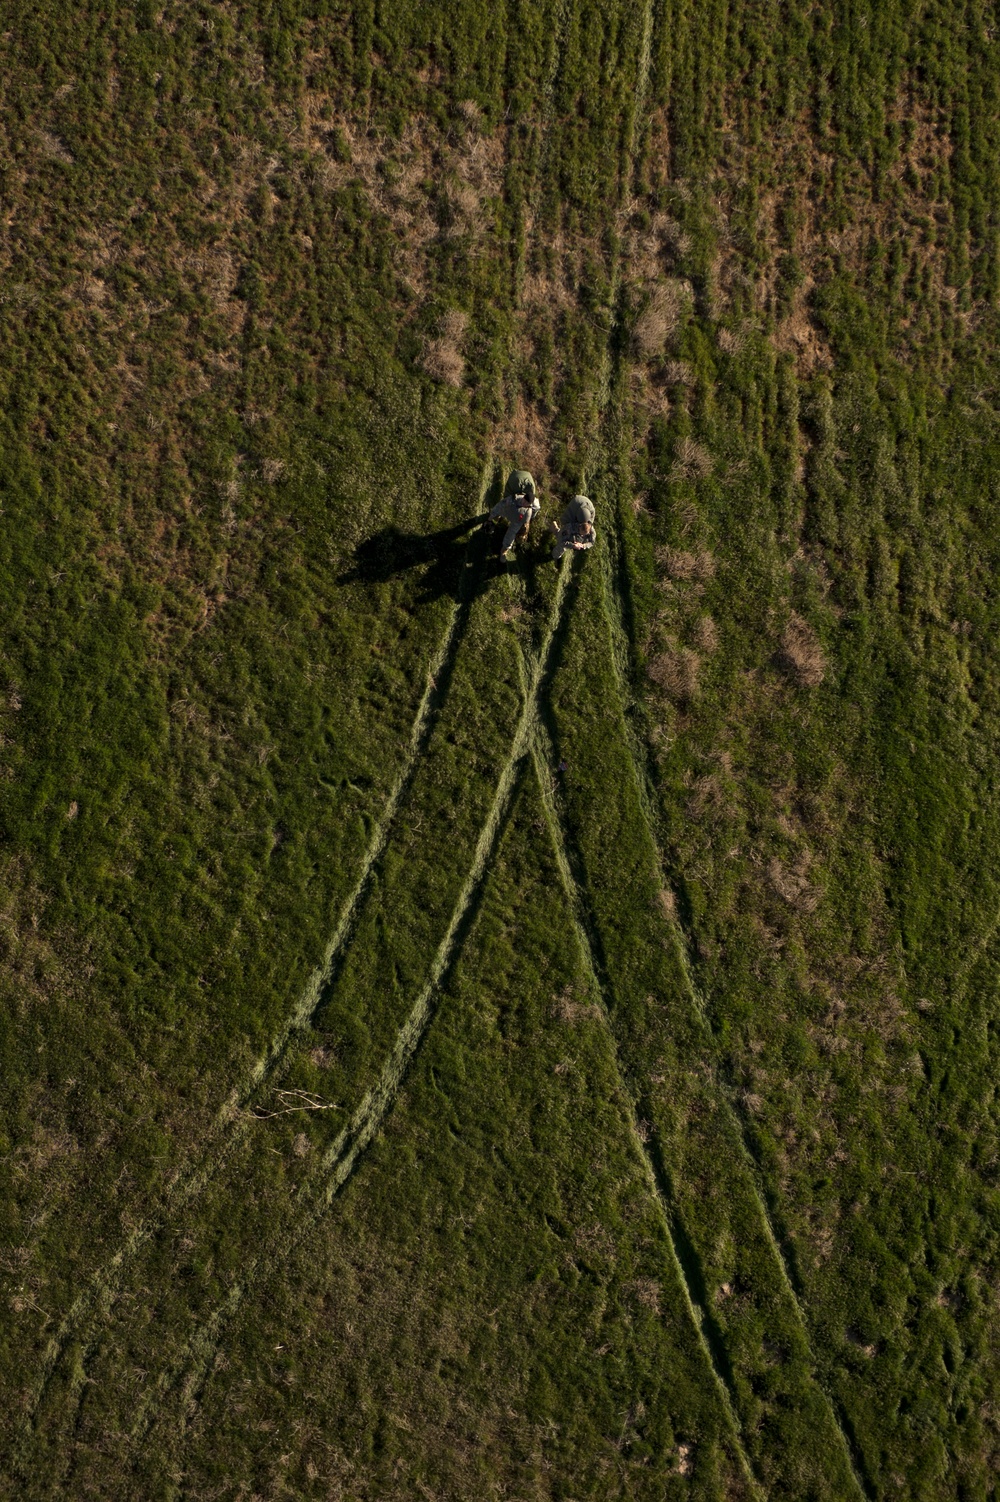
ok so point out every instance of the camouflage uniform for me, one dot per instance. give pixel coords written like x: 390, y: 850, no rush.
x: 519, y: 506
x: 576, y: 527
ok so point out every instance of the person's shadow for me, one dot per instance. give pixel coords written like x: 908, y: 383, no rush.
x: 455, y: 563
x: 443, y: 556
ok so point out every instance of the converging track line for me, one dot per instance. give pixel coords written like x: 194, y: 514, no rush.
x: 231, y: 1123
x: 193, y: 1364
x: 98, y: 1297
x: 543, y: 760
x: 95, y: 1302
x: 613, y: 606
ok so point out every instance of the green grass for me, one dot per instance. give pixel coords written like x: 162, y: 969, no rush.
x: 690, y: 1186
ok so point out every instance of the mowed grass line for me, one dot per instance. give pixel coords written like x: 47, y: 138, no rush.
x: 374, y: 985
x: 192, y: 1365
x: 543, y: 760
x: 615, y: 607
x: 232, y: 1122
x: 188, y: 1186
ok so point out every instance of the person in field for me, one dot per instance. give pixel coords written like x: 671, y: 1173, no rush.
x: 518, y: 507
x: 576, y: 527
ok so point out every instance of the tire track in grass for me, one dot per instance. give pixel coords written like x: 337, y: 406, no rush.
x: 656, y: 1175
x: 192, y: 1368
x: 94, y: 1303
x: 616, y: 608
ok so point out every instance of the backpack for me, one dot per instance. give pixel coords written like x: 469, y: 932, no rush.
x: 524, y: 499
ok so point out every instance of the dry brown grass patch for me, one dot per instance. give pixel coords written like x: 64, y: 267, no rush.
x: 732, y: 341
x: 546, y: 294
x: 523, y: 440
x: 792, y: 884
x: 800, y: 654
x: 399, y: 177
x: 650, y: 397
x: 707, y: 797
x: 567, y: 1008
x: 799, y: 336
x: 53, y: 148
x: 443, y: 359
x: 906, y: 206
x: 706, y: 634
x: 647, y: 1294
x: 669, y: 233
x: 684, y: 566
x: 677, y: 373
x: 667, y: 902
x: 693, y: 462
x: 676, y: 672
x: 659, y: 319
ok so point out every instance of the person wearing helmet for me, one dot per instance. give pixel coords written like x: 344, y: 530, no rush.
x: 576, y: 527
x: 518, y: 507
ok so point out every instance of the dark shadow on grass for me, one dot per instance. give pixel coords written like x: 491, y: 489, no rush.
x: 476, y: 565
x: 857, y: 1454
x: 442, y: 557
x: 451, y: 565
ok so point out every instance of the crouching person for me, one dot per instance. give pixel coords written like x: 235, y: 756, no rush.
x: 518, y: 508
x: 576, y: 527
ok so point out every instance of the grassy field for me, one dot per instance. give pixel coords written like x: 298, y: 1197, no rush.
x: 525, y: 1032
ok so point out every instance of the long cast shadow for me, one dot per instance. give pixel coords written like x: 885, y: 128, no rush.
x: 442, y: 555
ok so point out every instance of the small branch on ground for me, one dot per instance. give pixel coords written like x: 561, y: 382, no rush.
x: 295, y: 1100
